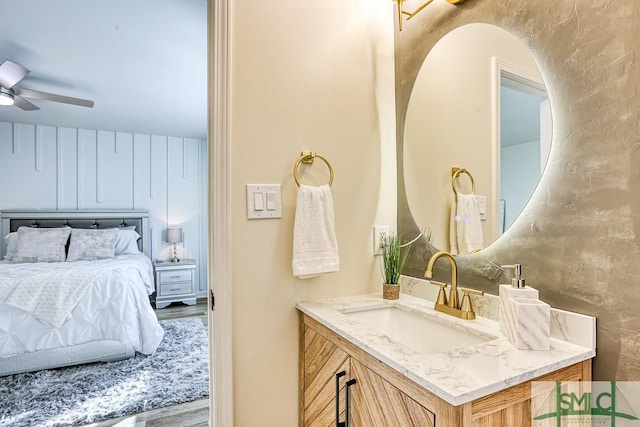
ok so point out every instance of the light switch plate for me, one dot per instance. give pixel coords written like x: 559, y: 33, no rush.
x: 482, y: 207
x: 264, y: 201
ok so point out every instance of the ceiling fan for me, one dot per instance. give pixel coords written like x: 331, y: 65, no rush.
x: 11, y: 73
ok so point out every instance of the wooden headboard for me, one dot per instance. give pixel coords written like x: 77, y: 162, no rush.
x: 10, y: 220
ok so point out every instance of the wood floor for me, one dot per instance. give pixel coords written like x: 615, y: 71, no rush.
x: 179, y: 311
x: 191, y: 414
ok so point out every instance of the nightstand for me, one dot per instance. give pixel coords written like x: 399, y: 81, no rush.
x: 175, y: 281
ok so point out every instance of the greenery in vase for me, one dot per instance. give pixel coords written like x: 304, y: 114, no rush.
x: 394, y: 256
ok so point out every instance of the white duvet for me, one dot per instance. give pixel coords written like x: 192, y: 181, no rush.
x: 113, y: 306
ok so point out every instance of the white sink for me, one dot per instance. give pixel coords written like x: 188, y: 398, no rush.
x: 416, y: 330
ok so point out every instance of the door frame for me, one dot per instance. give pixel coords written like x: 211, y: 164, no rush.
x: 500, y: 68
x: 219, y: 241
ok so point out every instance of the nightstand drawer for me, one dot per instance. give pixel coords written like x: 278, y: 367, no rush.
x: 174, y: 276
x: 176, y: 288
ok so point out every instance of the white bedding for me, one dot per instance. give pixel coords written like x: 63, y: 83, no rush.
x: 115, y: 306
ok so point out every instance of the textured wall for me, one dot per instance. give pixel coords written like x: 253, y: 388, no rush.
x: 576, y: 238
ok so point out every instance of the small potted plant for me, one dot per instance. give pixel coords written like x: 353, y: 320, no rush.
x: 394, y: 256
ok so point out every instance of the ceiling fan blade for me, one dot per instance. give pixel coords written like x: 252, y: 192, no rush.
x: 36, y: 94
x: 24, y: 104
x: 11, y: 73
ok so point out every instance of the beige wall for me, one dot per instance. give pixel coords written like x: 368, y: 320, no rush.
x: 317, y: 76
x: 449, y: 123
x: 578, y: 237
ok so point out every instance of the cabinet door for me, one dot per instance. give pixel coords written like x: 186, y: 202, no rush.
x: 376, y: 403
x: 322, y: 361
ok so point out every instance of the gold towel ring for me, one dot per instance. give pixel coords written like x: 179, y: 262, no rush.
x: 308, y: 157
x: 455, y: 173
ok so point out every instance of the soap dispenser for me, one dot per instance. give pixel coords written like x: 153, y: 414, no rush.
x: 517, y: 281
x: 517, y: 289
x: 524, y: 319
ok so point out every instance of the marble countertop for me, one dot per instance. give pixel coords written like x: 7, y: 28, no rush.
x: 457, y: 376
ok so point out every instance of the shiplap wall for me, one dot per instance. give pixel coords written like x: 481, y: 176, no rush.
x: 46, y: 167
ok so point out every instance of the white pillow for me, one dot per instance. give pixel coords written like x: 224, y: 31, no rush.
x: 12, y: 244
x: 41, y: 244
x: 92, y: 244
x: 127, y: 241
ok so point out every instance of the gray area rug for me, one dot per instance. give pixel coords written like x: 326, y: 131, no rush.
x: 177, y: 372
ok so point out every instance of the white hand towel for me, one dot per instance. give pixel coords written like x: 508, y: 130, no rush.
x: 465, y: 228
x: 315, y: 248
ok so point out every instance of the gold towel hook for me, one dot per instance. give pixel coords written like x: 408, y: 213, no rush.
x: 455, y: 173
x: 308, y: 157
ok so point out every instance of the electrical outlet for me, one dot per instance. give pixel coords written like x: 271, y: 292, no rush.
x: 379, y: 233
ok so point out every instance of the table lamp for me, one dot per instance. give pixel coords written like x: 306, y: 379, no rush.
x: 174, y: 235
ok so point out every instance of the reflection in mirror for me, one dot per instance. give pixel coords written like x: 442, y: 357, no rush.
x: 478, y: 103
x: 524, y: 119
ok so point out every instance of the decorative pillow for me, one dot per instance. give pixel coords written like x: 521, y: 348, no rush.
x: 92, y: 244
x: 12, y: 244
x: 127, y: 241
x: 41, y: 244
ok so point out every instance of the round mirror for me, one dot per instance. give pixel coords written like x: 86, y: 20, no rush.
x: 477, y: 136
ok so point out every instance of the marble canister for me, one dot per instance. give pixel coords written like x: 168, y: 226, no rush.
x: 524, y: 319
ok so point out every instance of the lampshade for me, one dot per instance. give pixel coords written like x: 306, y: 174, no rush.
x: 174, y: 235
x: 6, y: 98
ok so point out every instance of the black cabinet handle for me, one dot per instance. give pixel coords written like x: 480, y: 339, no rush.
x: 349, y: 384
x: 338, y: 376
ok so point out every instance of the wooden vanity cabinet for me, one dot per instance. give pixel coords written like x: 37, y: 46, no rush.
x: 322, y: 362
x: 326, y: 369
x: 375, y: 402
x: 382, y: 397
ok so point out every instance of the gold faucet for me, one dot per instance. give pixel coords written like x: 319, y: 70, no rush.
x: 463, y: 310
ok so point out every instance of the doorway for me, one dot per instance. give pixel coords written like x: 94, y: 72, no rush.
x: 522, y: 138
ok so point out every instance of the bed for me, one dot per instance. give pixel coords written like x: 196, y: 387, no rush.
x: 90, y: 308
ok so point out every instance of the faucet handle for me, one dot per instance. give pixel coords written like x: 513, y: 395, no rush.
x: 441, y: 284
x: 442, y: 295
x: 465, y: 306
x: 467, y: 291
